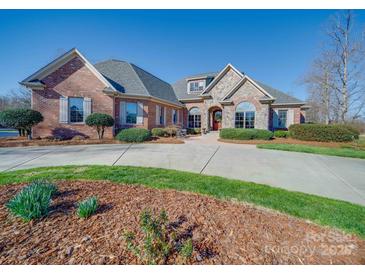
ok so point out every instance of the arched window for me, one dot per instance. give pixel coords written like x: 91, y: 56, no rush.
x: 194, y: 118
x: 245, y: 115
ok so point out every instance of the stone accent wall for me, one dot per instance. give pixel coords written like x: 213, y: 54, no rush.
x: 189, y: 106
x: 247, y: 93
x: 73, y: 79
x: 225, y: 84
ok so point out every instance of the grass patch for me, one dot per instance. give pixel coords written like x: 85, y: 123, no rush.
x: 332, y: 151
x: 340, y: 214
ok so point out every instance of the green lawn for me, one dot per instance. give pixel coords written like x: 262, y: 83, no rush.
x: 343, y: 152
x: 346, y: 216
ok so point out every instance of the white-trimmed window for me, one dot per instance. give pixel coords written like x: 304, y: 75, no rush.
x: 245, y: 115
x: 194, y: 118
x: 160, y: 115
x: 196, y: 86
x: 174, y: 116
x: 131, y: 113
x: 282, y: 118
x: 76, y: 109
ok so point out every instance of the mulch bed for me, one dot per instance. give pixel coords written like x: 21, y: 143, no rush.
x: 284, y: 141
x: 223, y: 232
x: 23, y: 142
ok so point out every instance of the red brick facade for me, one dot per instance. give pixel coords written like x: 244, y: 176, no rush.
x: 75, y: 79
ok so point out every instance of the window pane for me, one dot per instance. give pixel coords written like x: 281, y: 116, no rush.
x: 196, y: 86
x: 194, y: 111
x: 174, y: 118
x: 282, y: 115
x: 239, y: 120
x: 194, y: 121
x: 245, y: 106
x: 76, y: 109
x: 162, y: 110
x: 249, y: 119
x: 131, y: 113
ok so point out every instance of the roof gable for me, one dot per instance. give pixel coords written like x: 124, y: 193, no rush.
x: 59, y: 62
x: 220, y: 76
x: 241, y: 82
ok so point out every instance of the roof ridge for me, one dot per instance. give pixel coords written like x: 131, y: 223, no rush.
x: 139, y: 78
x: 151, y: 74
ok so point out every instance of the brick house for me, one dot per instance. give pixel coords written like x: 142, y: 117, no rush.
x: 69, y: 88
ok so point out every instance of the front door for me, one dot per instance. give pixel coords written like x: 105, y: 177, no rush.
x: 217, y: 119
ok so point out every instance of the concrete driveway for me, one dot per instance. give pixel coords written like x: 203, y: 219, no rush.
x: 334, y: 177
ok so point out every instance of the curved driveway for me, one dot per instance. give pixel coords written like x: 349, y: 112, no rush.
x: 334, y: 177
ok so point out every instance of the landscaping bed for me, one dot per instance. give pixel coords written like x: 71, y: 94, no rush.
x: 223, y: 232
x: 23, y: 142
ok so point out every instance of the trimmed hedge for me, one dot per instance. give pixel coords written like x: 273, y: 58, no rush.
x: 281, y: 134
x: 352, y: 129
x: 158, y: 132
x: 134, y: 135
x: 245, y: 134
x: 323, y: 133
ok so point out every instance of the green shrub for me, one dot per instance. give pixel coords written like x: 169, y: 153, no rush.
x: 193, y: 131
x: 33, y: 201
x: 134, y: 135
x: 355, y: 131
x: 281, y: 134
x: 158, y: 132
x: 100, y: 121
x: 245, y: 134
x: 87, y: 207
x: 322, y: 133
x: 159, y: 240
x: 171, y: 131
x: 21, y: 119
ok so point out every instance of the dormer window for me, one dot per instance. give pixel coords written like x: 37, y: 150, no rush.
x: 196, y: 86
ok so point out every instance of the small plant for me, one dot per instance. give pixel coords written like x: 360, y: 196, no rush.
x: 159, y: 241
x: 186, y: 249
x: 171, y: 130
x: 33, y: 201
x: 87, y: 207
x: 158, y: 132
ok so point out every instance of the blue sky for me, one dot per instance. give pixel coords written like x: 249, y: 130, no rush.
x: 273, y: 46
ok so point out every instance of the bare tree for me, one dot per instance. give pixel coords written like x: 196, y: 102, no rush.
x: 348, y: 60
x: 16, y: 98
x: 319, y: 81
x: 336, y: 83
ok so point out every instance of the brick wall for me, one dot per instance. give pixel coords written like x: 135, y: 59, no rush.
x: 149, y: 114
x: 73, y: 79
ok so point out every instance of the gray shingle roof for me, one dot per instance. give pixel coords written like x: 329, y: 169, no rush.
x: 131, y: 79
x: 281, y: 97
x: 180, y: 87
